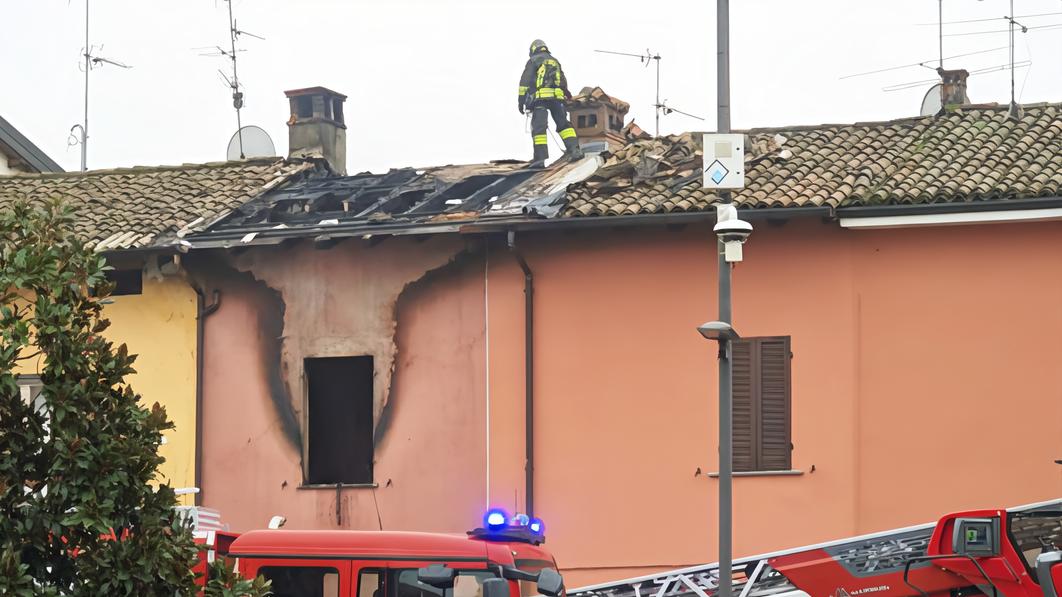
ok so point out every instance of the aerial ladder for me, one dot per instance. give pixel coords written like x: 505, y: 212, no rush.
x: 1014, y: 552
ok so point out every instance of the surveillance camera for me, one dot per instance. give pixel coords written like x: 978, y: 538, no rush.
x: 733, y: 230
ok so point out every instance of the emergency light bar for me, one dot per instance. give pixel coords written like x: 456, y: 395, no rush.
x: 499, y: 526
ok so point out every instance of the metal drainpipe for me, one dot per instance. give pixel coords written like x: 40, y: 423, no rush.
x: 529, y: 376
x: 202, y: 312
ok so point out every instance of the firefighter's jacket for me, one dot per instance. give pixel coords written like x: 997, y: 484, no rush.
x: 543, y: 79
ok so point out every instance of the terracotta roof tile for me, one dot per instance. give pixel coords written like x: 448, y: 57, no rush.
x: 146, y: 206
x: 972, y: 154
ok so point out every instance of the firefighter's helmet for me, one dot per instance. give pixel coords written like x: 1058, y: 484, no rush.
x: 538, y: 46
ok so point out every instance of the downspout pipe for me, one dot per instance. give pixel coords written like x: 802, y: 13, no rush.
x: 203, y: 311
x: 529, y: 376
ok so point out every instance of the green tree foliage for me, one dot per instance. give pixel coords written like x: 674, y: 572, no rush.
x: 79, y: 513
x: 224, y: 582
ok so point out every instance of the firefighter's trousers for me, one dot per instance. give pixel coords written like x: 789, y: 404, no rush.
x: 540, y: 112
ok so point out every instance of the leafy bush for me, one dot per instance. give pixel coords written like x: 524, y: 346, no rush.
x: 81, y: 512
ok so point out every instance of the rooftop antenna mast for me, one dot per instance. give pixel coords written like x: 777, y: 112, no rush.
x: 91, y: 61
x: 661, y: 107
x: 1013, y: 111
x: 233, y: 82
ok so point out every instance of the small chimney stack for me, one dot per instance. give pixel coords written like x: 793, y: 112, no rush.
x: 953, y: 88
x: 598, y: 119
x: 316, y: 127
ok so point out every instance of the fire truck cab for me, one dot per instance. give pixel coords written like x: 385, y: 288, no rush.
x: 504, y: 558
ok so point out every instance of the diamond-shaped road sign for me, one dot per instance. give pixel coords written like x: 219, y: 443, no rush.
x: 724, y: 161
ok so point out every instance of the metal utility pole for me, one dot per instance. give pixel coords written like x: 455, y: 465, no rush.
x: 88, y: 66
x: 237, y: 97
x: 940, y: 31
x: 726, y: 406
x: 91, y: 60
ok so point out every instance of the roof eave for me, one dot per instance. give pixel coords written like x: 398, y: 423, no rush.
x: 25, y: 149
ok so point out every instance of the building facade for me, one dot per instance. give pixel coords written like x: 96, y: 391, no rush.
x: 369, y: 365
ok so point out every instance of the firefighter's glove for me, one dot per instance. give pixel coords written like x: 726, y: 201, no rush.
x: 520, y: 104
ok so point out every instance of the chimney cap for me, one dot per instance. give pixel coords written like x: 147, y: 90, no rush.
x: 313, y: 91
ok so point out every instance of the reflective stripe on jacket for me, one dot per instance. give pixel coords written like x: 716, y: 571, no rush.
x: 543, y: 78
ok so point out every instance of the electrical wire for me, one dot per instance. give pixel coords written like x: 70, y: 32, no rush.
x: 1042, y: 14
x: 923, y: 63
x: 1023, y: 30
x: 990, y: 69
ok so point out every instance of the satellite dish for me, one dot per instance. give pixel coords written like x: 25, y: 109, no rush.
x: 931, y: 102
x: 256, y: 144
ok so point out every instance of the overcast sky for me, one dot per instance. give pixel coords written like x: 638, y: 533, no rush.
x: 434, y: 81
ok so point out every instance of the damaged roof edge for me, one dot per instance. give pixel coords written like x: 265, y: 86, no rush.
x: 487, y: 226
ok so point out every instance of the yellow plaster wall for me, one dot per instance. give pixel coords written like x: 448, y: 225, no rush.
x: 159, y: 326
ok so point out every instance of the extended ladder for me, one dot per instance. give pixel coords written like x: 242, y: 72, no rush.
x: 862, y: 556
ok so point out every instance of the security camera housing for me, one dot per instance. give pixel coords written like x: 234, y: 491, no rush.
x: 733, y: 230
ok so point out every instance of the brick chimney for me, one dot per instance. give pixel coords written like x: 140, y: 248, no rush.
x: 316, y: 127
x: 953, y: 88
x: 598, y: 118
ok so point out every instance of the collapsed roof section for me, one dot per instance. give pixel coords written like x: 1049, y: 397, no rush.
x: 401, y: 201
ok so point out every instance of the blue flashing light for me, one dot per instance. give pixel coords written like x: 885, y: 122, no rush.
x: 536, y: 526
x: 521, y: 520
x: 495, y: 519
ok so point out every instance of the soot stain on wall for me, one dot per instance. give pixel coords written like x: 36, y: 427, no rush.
x: 214, y: 271
x: 411, y: 292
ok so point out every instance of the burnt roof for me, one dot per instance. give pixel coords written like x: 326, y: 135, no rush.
x: 400, y: 201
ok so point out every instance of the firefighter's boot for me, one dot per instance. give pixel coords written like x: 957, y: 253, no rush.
x: 572, y: 150
x: 541, y: 155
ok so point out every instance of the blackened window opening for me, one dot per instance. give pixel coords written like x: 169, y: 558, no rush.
x: 126, y: 281
x: 339, y: 409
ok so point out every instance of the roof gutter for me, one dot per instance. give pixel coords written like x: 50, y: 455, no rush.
x: 870, y: 211
x: 982, y: 212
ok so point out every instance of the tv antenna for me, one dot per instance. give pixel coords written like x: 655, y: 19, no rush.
x: 92, y: 60
x: 233, y: 81
x: 1013, y: 111
x: 661, y: 107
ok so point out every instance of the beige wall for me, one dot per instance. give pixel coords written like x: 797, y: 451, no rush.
x: 924, y: 380
x: 5, y: 168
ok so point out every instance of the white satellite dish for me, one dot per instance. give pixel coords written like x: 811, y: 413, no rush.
x: 255, y: 141
x: 931, y: 102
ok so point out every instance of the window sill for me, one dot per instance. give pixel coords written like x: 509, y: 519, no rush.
x: 789, y: 473
x: 332, y: 486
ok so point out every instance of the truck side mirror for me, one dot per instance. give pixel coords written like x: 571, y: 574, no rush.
x: 1049, y: 573
x: 978, y: 537
x: 495, y: 587
x: 437, y: 575
x: 550, y: 582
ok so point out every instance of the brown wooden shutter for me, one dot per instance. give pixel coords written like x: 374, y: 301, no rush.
x: 774, y: 404
x: 744, y: 421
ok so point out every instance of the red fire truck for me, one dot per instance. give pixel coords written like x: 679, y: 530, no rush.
x: 503, y: 558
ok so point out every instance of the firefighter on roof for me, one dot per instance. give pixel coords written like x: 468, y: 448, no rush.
x: 543, y: 89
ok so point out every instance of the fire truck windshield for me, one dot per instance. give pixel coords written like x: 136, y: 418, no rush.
x: 530, y: 588
x: 467, y: 583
